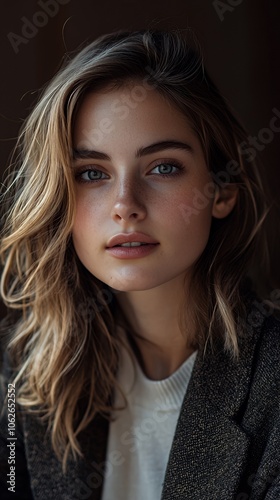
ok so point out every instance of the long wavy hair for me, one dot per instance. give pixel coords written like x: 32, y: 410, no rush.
x: 65, y: 344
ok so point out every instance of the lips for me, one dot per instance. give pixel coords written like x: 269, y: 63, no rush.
x: 131, y: 246
x: 130, y: 240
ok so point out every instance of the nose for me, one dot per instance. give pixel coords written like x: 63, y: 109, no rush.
x: 128, y: 202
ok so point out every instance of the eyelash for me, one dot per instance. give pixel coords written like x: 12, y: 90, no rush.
x: 173, y: 164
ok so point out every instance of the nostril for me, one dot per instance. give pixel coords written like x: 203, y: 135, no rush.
x: 128, y: 209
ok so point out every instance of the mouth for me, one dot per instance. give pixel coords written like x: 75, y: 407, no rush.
x: 131, y: 246
x: 133, y: 239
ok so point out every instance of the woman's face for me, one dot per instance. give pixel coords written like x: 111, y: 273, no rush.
x: 139, y: 168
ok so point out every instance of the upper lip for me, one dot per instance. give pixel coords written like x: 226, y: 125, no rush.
x: 120, y: 238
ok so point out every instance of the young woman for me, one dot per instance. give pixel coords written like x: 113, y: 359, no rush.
x: 141, y: 365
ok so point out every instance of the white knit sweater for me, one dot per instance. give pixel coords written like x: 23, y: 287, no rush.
x: 141, y: 435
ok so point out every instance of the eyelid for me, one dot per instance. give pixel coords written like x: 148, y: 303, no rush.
x: 176, y: 163
x: 86, y: 166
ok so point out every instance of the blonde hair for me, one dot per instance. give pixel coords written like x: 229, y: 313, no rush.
x: 65, y: 345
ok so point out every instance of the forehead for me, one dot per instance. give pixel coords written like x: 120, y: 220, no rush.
x: 130, y: 112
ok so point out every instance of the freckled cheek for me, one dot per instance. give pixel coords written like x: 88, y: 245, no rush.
x: 88, y: 218
x: 173, y: 206
x: 187, y: 219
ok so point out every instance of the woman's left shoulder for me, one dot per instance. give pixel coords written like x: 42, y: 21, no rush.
x: 262, y: 329
x: 266, y: 357
x: 260, y: 346
x: 269, y: 342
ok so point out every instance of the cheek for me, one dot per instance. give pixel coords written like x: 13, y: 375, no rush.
x: 194, y: 209
x: 85, y: 226
x: 190, y: 221
x: 88, y: 212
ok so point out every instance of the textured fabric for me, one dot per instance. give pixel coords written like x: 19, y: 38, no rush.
x: 140, y: 436
x: 226, y: 444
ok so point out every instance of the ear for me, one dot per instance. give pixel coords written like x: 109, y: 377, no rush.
x: 224, y: 200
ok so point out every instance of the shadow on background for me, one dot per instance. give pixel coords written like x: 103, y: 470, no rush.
x: 240, y: 40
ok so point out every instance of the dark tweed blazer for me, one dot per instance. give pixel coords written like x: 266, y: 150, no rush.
x: 226, y: 445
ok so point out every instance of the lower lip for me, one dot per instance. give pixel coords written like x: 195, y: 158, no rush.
x: 132, y: 252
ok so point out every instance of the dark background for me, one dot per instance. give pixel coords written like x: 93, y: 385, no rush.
x: 240, y: 40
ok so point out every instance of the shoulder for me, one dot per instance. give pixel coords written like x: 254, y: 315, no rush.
x: 270, y: 334
x: 261, y: 335
x: 268, y: 344
x: 266, y: 363
x: 261, y: 329
x: 263, y: 397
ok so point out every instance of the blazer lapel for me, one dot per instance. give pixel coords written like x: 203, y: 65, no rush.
x: 209, y: 449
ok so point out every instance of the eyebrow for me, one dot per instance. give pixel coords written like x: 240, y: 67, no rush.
x: 86, y: 154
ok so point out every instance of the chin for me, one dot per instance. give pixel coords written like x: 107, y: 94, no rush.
x: 133, y: 284
x: 129, y: 287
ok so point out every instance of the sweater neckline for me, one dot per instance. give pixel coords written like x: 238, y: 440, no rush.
x: 140, y: 390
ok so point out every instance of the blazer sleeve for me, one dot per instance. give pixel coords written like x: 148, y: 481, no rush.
x: 11, y: 455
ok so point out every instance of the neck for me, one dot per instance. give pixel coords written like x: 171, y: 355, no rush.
x: 153, y: 315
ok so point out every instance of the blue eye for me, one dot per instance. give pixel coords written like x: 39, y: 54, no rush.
x: 166, y: 169
x: 91, y: 175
